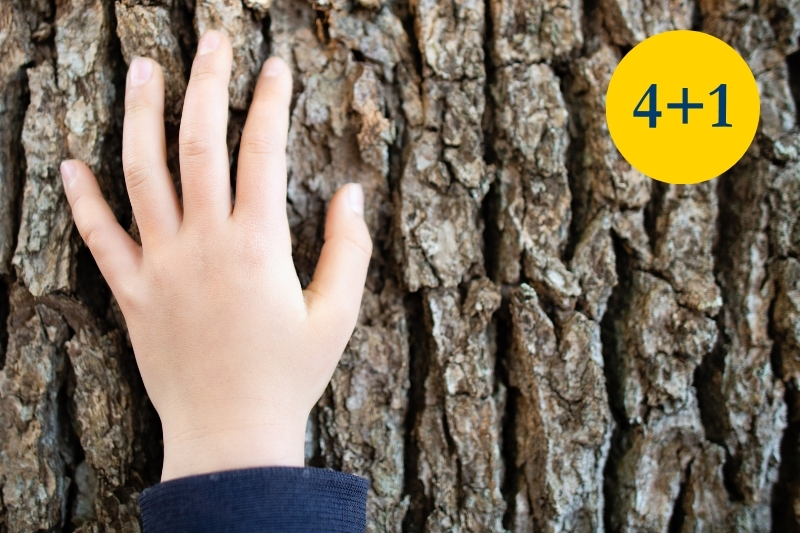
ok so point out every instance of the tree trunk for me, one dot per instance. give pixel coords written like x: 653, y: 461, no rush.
x: 549, y: 341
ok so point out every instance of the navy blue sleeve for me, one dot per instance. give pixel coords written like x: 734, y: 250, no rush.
x: 289, y: 500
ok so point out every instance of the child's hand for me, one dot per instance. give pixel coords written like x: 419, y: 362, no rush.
x: 233, y: 353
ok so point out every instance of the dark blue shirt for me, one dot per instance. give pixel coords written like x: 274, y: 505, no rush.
x: 291, y: 500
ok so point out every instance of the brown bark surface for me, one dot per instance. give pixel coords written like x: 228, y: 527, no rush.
x: 549, y: 341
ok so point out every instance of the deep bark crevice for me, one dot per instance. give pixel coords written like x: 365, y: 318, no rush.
x: 403, y: 10
x: 678, y: 512
x: 697, y: 18
x: 5, y: 309
x: 419, y: 364
x: 114, y: 188
x: 72, y: 444
x: 592, y: 25
x: 513, y: 474
x: 708, y: 374
x: 729, y: 470
x: 653, y: 209
x: 610, y: 341
x: 21, y: 163
x: 706, y: 380
x: 793, y: 66
x: 236, y: 122
x: 609, y: 335
x: 787, y: 489
x: 490, y: 205
x: 322, y: 26
x: 90, y: 287
x: 491, y: 233
x: 183, y: 13
x: 575, y: 169
x: 266, y: 24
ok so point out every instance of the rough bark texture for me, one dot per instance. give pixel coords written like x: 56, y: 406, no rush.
x: 548, y: 341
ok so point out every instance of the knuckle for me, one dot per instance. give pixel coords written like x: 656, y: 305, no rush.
x: 317, y: 302
x: 338, y: 321
x: 194, y: 141
x: 269, y: 95
x: 80, y: 212
x: 90, y: 230
x: 136, y: 102
x: 204, y: 70
x: 129, y: 296
x: 263, y: 145
x: 361, y: 240
x: 136, y: 174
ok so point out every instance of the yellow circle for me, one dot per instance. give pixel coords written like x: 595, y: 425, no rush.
x: 679, y: 71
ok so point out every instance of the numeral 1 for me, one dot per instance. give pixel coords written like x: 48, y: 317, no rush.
x: 722, y: 113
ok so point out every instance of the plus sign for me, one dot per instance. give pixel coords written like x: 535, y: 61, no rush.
x: 685, y: 106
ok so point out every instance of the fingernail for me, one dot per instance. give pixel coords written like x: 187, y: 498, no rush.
x: 273, y: 67
x: 355, y: 198
x: 208, y: 43
x: 68, y: 172
x: 141, y: 71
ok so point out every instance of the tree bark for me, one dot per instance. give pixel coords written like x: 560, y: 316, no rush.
x: 548, y: 339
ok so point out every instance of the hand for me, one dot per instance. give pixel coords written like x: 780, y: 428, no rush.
x: 233, y: 353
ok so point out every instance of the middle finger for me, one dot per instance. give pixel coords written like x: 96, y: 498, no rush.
x: 203, y: 152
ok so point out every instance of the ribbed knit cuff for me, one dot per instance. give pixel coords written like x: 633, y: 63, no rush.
x: 290, y: 500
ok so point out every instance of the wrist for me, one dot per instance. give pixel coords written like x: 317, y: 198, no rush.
x: 206, y: 449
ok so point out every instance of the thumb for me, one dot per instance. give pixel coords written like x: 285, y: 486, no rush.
x: 334, y: 294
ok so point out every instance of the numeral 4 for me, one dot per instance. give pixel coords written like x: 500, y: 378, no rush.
x: 652, y: 113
